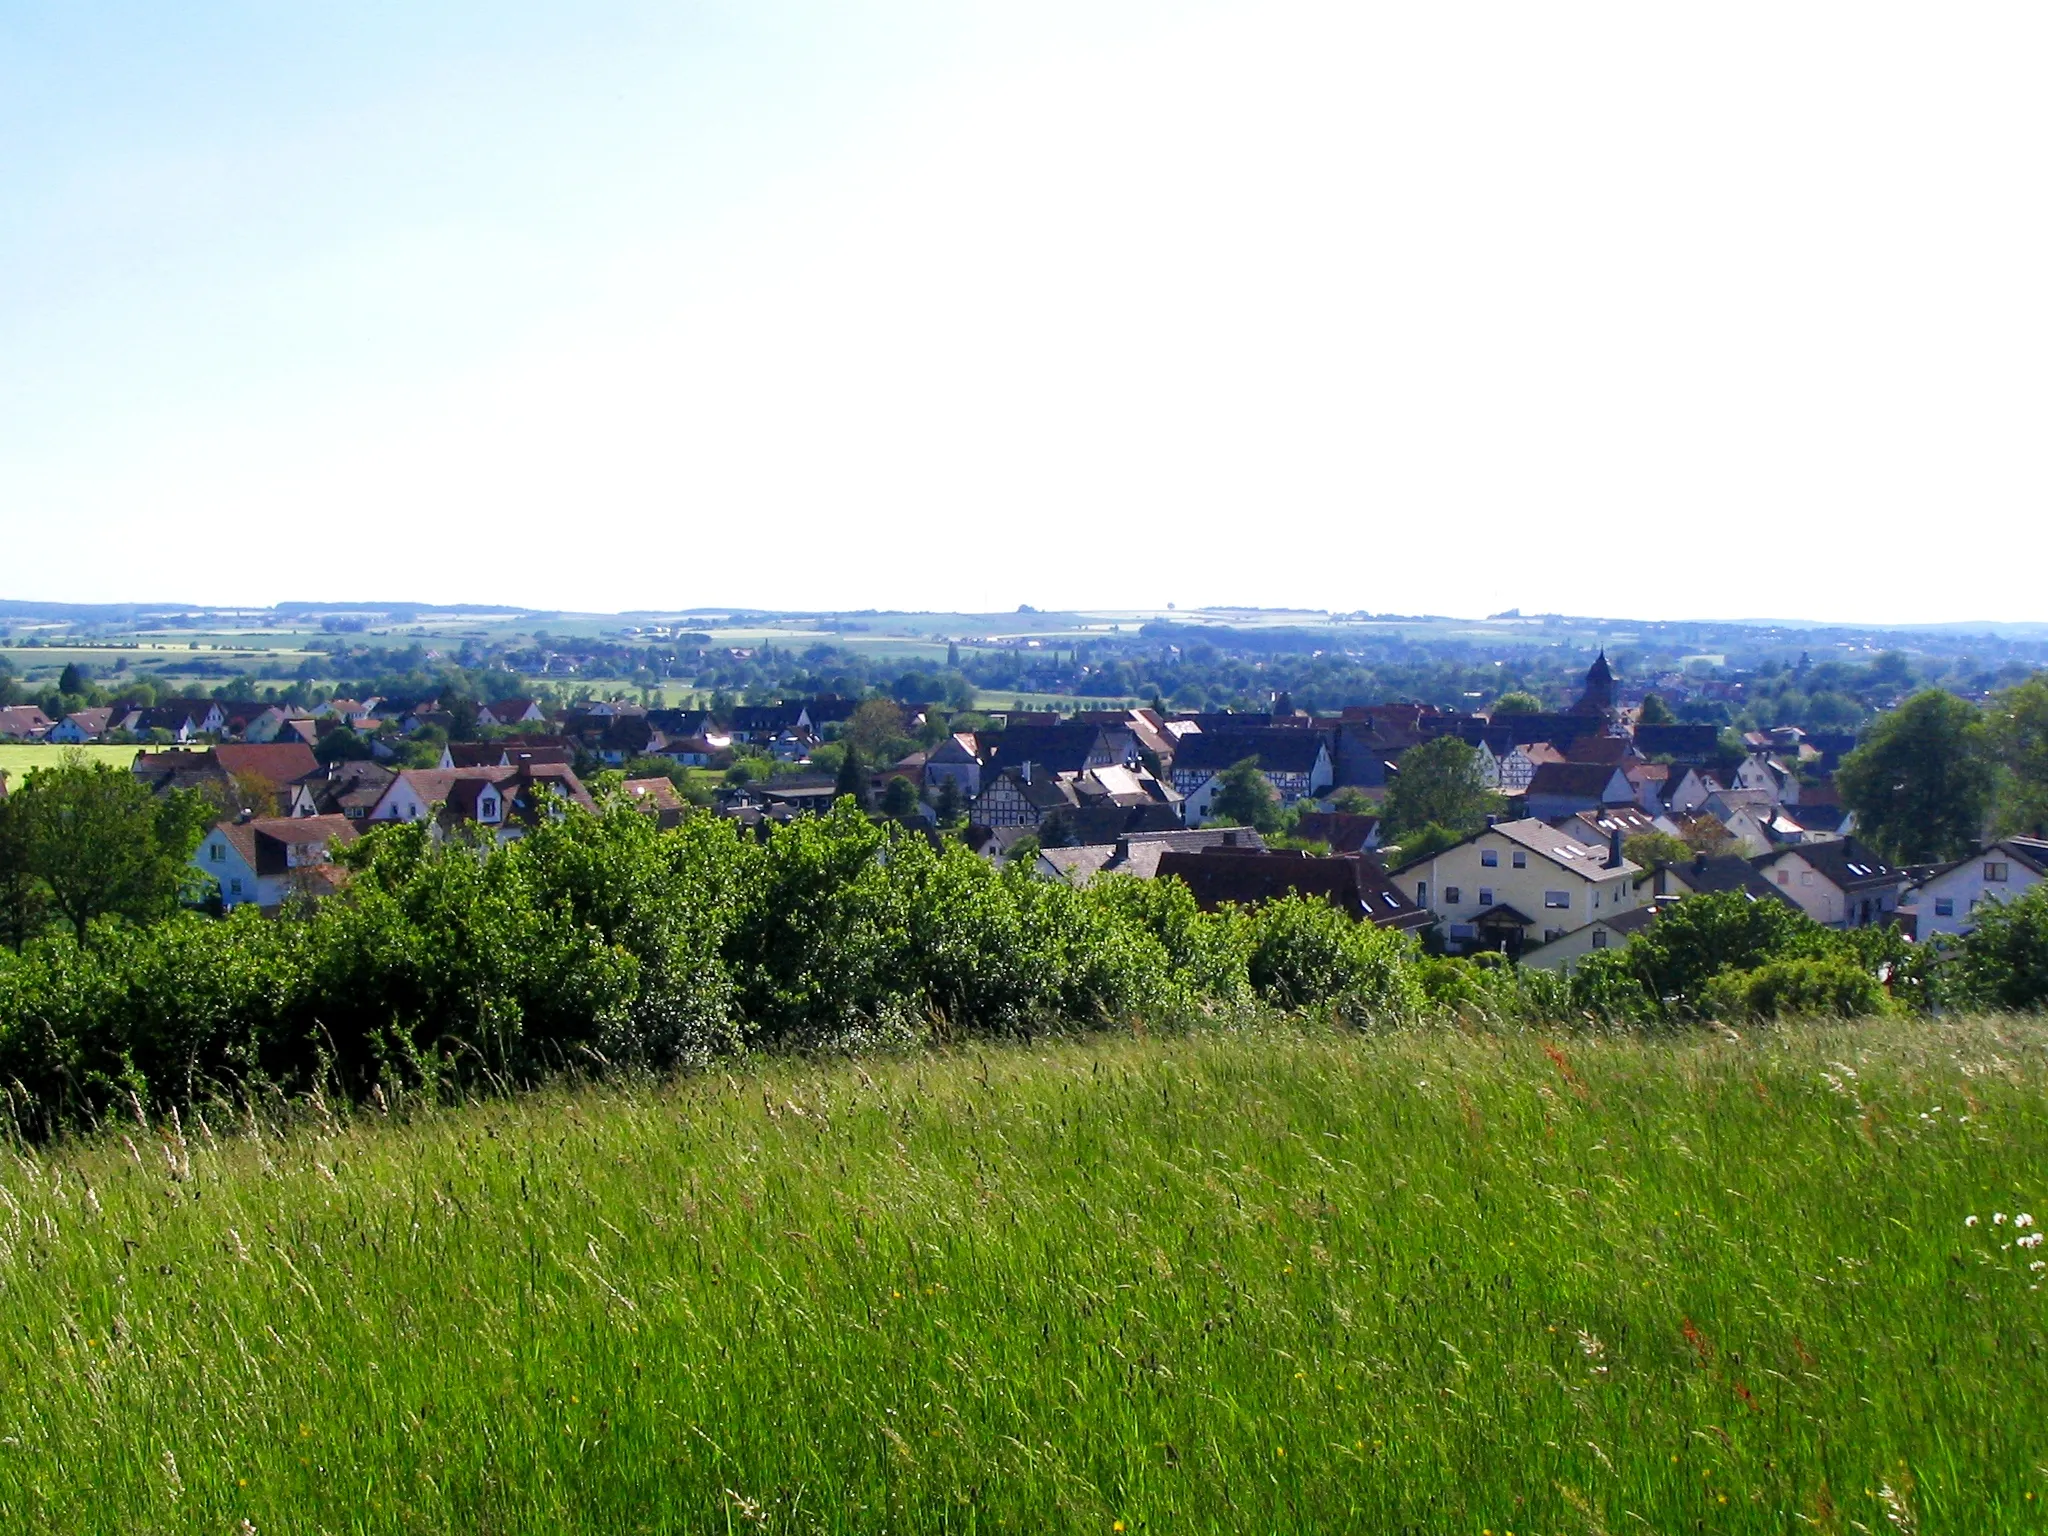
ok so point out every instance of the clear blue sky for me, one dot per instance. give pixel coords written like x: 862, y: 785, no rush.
x: 1601, y: 308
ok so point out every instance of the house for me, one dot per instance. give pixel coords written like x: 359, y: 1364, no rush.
x: 513, y: 711
x: 1353, y: 883
x: 232, y: 774
x: 504, y: 801
x: 1747, y: 814
x: 1058, y: 749
x: 957, y: 760
x: 1677, y: 741
x: 1609, y: 932
x: 1517, y: 884
x: 23, y: 722
x: 1947, y: 900
x: 265, y: 725
x: 1709, y: 875
x: 1679, y: 791
x: 1018, y: 797
x: 351, y: 789
x: 1102, y: 823
x: 1564, y: 789
x: 1295, y: 761
x: 1839, y: 884
x: 1761, y: 772
x: 658, y: 798
x: 1138, y: 853
x: 1596, y: 828
x: 81, y: 726
x: 507, y: 752
x: 272, y: 858
x: 1340, y: 831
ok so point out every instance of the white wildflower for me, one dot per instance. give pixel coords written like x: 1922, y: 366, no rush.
x: 1998, y: 1218
x: 2023, y: 1220
x: 2031, y: 1240
x: 2038, y: 1265
x: 1969, y: 1221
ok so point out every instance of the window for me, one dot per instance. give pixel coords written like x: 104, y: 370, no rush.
x: 1996, y: 874
x: 1784, y: 877
x: 1520, y: 859
x: 1422, y: 893
x: 1490, y: 857
x: 1599, y: 938
x: 218, y: 853
x: 1806, y: 877
x: 1552, y: 935
x: 1452, y: 894
x: 235, y: 886
x: 1486, y: 895
x: 1557, y: 898
x: 1944, y: 906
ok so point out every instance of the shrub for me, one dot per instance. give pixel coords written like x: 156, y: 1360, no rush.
x: 2003, y: 961
x: 1797, y: 988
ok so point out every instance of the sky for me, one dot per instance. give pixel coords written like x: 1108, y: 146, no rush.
x: 1597, y: 308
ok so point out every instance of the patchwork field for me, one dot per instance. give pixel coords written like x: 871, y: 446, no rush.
x: 1279, y: 1280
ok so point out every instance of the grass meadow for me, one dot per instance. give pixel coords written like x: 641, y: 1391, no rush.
x: 1278, y: 1279
x: 19, y: 759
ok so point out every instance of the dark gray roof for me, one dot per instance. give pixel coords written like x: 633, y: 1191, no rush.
x: 1279, y: 749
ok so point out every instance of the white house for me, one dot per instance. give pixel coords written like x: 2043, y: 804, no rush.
x: 81, y: 726
x: 1517, y: 884
x: 510, y: 712
x: 1295, y: 761
x: 271, y: 858
x: 1946, y: 902
x: 1840, y: 884
x: 265, y: 725
x: 1609, y: 932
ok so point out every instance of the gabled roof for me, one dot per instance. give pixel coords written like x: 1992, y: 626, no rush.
x: 1279, y: 749
x: 1540, y: 838
x: 1354, y: 883
x: 277, y: 763
x: 1846, y: 864
x: 265, y: 842
x: 1585, y: 781
x: 1343, y: 831
x: 1049, y: 748
x: 1709, y: 876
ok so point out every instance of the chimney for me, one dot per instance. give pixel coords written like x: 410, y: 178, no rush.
x: 1024, y: 770
x: 1614, y: 849
x: 1492, y: 820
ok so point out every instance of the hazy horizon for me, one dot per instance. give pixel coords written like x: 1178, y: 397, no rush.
x: 951, y: 308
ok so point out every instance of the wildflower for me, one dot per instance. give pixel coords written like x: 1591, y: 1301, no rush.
x: 1998, y: 1218
x: 2023, y: 1220
x: 1280, y: 1451
x: 2031, y: 1240
x: 1116, y: 1525
x: 2038, y: 1265
x: 1969, y: 1221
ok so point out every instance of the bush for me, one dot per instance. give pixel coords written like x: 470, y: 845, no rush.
x: 1305, y: 952
x: 1834, y: 986
x: 2003, y: 961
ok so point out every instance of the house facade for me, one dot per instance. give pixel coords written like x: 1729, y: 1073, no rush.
x: 1519, y: 884
x: 270, y: 859
x: 1838, y: 884
x: 1946, y: 903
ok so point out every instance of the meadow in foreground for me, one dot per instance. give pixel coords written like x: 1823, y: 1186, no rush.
x: 1281, y: 1279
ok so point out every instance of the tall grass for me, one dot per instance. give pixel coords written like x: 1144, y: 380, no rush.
x: 1276, y: 1280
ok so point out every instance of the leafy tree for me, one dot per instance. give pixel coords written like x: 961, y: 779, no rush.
x: 1023, y: 852
x: 1655, y: 712
x: 1423, y: 842
x: 72, y: 679
x: 1439, y: 785
x: 853, y: 779
x: 342, y: 745
x: 2017, y: 725
x: 899, y: 798
x: 102, y: 844
x: 1921, y: 783
x: 2003, y: 962
x: 1702, y: 936
x: 1354, y: 801
x: 1652, y: 848
x: 1246, y: 797
x: 1516, y: 702
x: 949, y: 806
x: 24, y: 902
x: 875, y: 724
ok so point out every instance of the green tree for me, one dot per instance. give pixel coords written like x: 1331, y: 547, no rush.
x: 1438, y: 784
x: 949, y: 806
x: 1246, y: 797
x: 24, y: 902
x: 875, y: 724
x: 102, y: 845
x: 899, y: 798
x: 853, y: 779
x: 1921, y: 784
x: 2017, y: 726
x: 1655, y: 712
x: 1651, y: 848
x: 1516, y: 702
x: 72, y: 680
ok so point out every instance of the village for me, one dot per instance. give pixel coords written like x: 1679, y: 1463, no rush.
x: 1595, y: 820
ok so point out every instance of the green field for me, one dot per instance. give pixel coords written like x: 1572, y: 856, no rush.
x: 16, y: 761
x: 1273, y: 1280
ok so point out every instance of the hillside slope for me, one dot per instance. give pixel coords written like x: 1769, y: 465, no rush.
x: 1278, y: 1280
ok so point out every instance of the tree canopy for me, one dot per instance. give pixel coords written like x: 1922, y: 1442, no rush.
x: 1246, y: 797
x: 1921, y: 784
x: 95, y: 842
x: 1439, y: 784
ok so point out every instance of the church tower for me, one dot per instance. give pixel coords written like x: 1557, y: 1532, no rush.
x: 1598, y: 699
